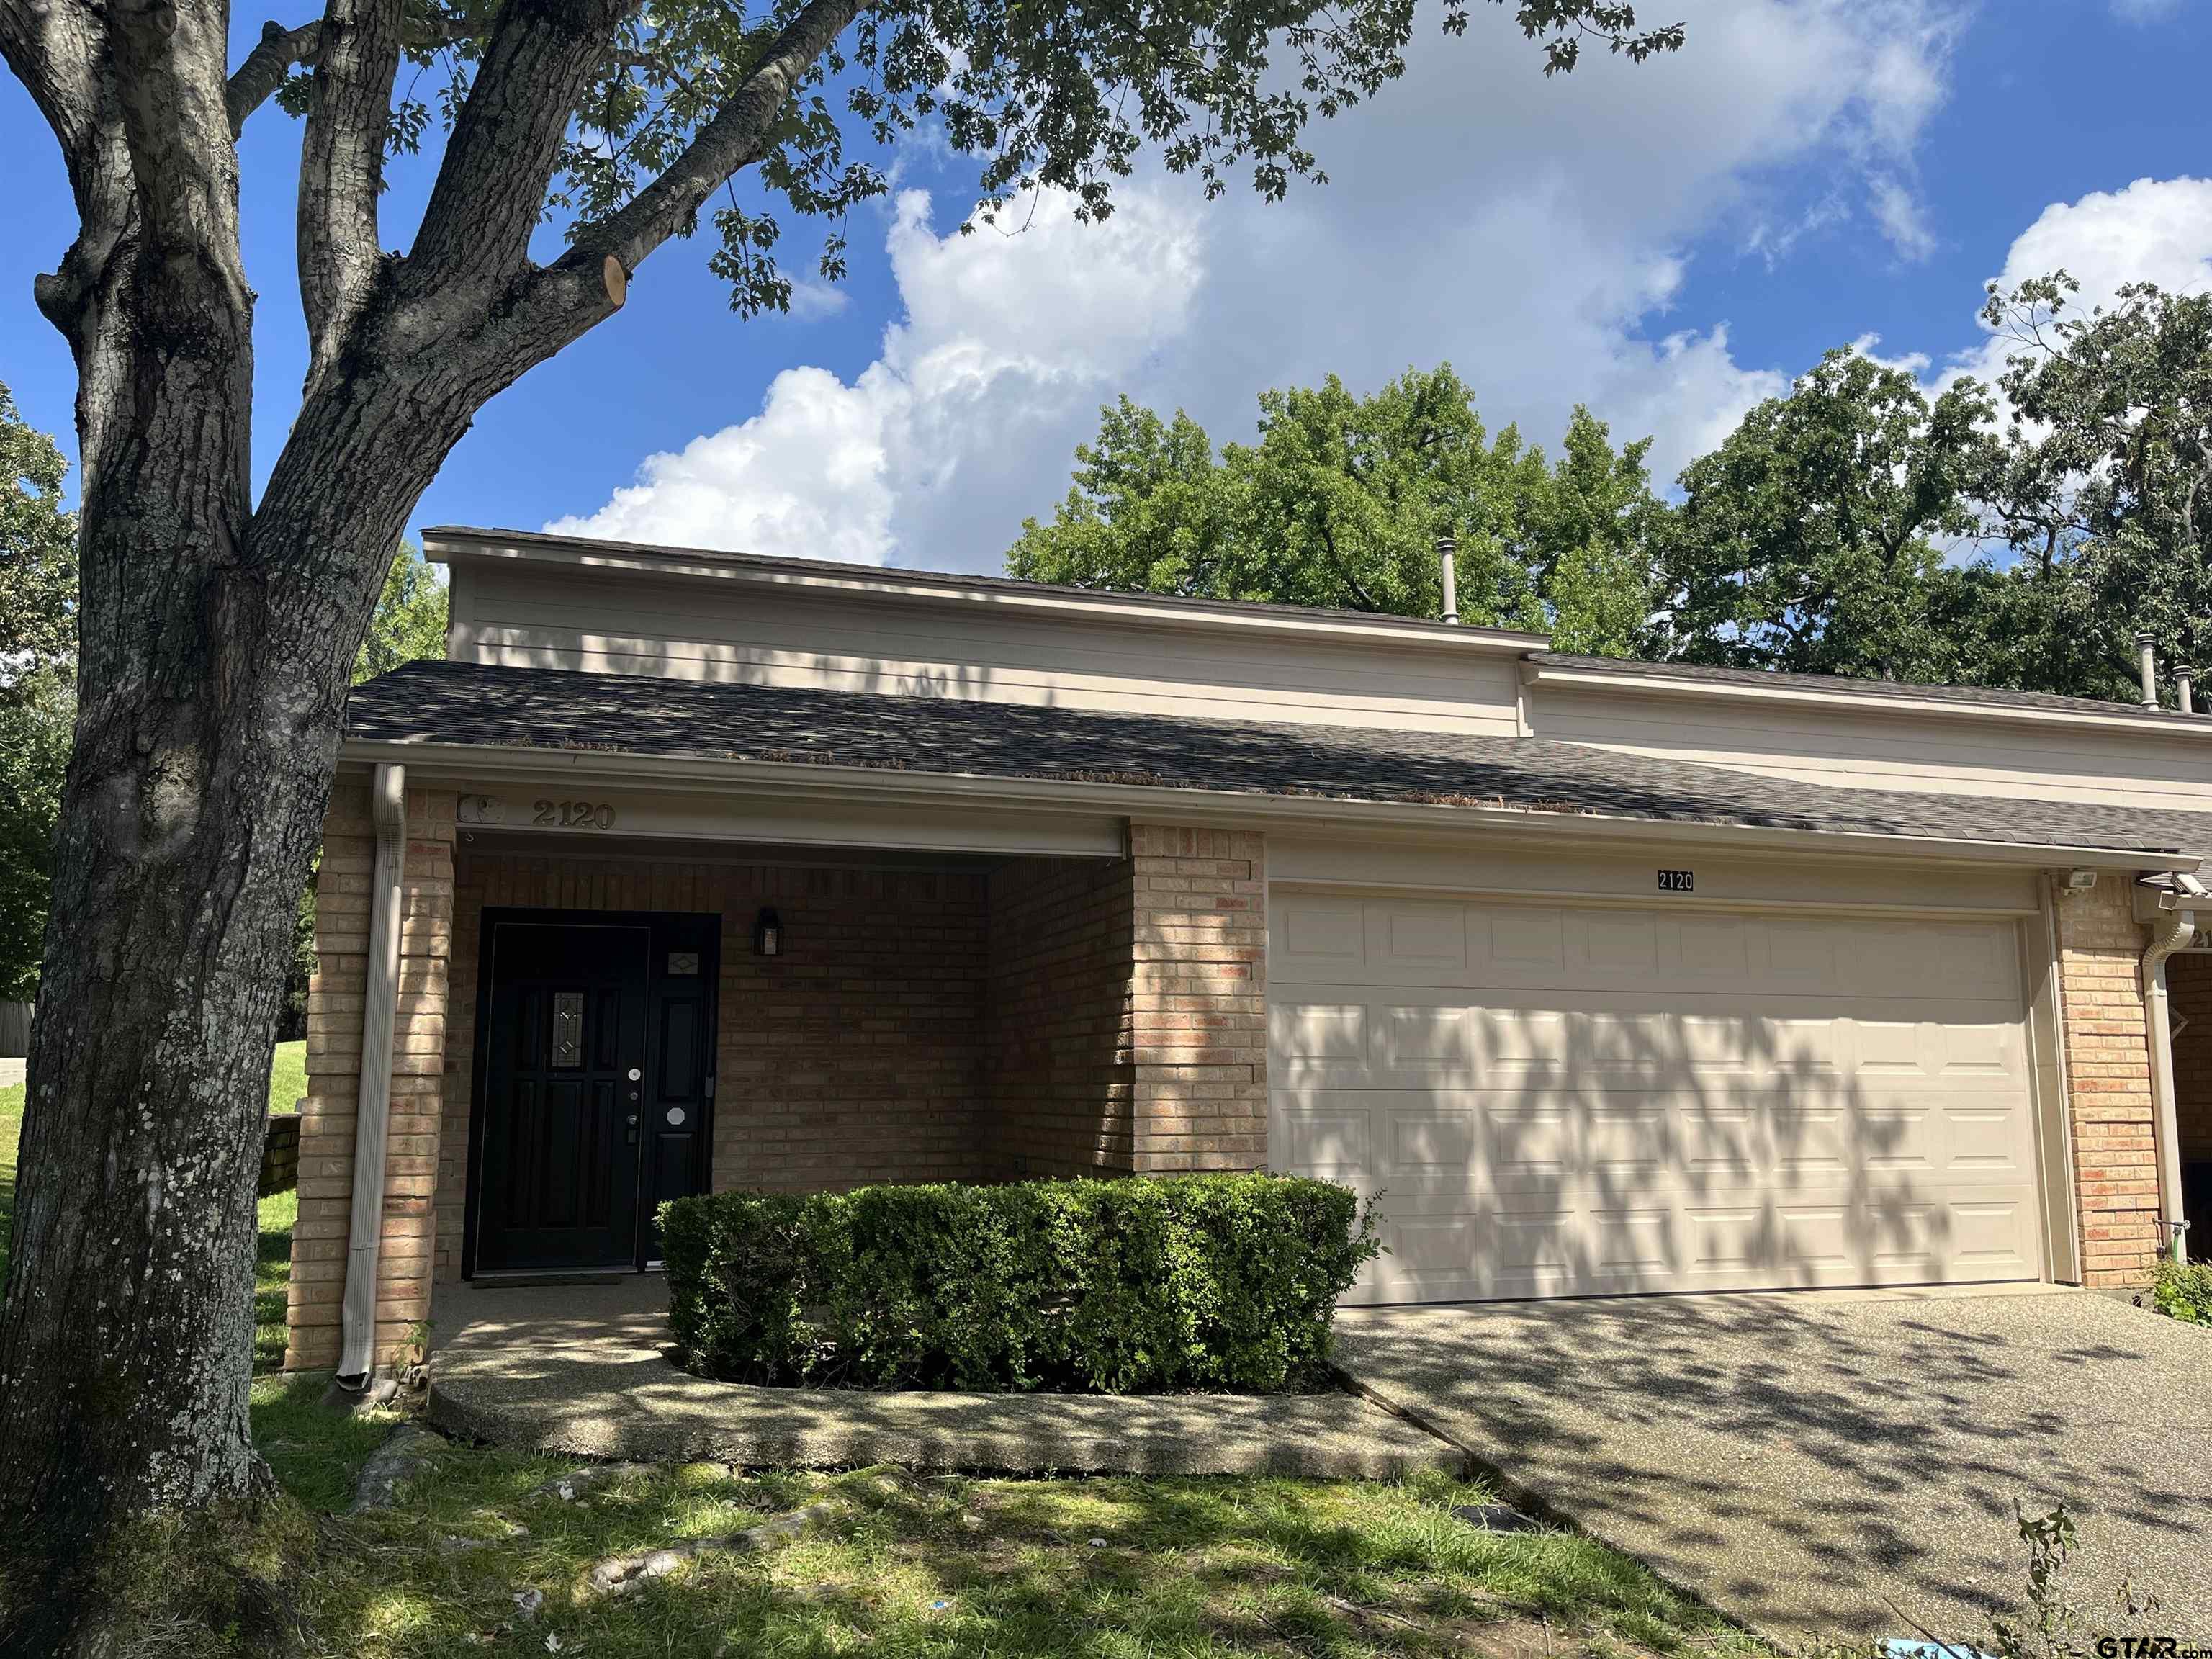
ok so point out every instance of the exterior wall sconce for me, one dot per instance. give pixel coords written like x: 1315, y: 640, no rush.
x: 767, y: 935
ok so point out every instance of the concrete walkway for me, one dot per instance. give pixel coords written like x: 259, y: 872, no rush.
x: 12, y: 1072
x: 578, y: 1370
x: 1805, y: 1461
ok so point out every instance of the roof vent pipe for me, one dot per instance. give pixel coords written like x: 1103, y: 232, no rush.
x: 2147, y: 647
x: 2185, y: 688
x: 1448, y: 562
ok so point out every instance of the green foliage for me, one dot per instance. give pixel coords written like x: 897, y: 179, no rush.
x: 409, y: 622
x: 1340, y: 502
x: 2183, y: 1292
x: 1223, y: 1283
x: 2109, y: 487
x: 38, y: 685
x: 1808, y: 541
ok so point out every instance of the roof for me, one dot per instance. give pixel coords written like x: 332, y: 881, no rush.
x: 442, y: 537
x: 1983, y: 696
x: 469, y: 703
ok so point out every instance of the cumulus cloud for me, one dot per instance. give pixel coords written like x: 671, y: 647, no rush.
x: 1537, y: 234
x: 2156, y: 230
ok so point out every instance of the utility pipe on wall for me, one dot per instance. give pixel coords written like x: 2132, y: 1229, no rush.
x: 380, y: 1008
x: 2170, y: 931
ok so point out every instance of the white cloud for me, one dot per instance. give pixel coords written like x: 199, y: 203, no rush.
x: 1902, y: 218
x: 1003, y: 339
x: 2145, y: 11
x: 2156, y: 230
x: 811, y: 300
x: 1534, y: 233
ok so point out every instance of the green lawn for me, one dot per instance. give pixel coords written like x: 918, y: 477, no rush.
x: 287, y: 1081
x: 1099, y: 1569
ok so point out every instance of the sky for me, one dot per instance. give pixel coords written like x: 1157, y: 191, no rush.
x: 1667, y: 243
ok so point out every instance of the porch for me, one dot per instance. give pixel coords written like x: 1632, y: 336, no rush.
x: 929, y: 1014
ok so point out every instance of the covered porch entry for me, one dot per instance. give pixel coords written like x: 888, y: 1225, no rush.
x: 785, y: 999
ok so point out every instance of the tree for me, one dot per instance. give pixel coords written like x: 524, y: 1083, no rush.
x: 1809, y: 540
x: 218, y: 630
x: 409, y: 622
x: 37, y: 652
x: 1340, y: 502
x: 2106, y: 495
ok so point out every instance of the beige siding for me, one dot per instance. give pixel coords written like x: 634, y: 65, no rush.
x: 631, y: 623
x: 1917, y: 750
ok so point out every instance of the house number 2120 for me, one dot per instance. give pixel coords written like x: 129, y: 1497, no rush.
x: 574, y: 814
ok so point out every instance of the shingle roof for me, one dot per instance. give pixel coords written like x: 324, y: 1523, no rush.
x: 1981, y: 695
x: 556, y: 708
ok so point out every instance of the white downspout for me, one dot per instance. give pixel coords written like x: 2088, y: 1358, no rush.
x: 2171, y: 930
x: 380, y: 1007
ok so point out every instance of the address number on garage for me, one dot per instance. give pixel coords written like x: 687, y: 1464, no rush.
x: 1678, y: 881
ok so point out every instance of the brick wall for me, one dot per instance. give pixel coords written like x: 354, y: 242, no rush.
x: 1197, y: 998
x: 1061, y: 1083
x: 335, y: 996
x: 2101, y: 947
x: 855, y: 1056
x: 2189, y: 994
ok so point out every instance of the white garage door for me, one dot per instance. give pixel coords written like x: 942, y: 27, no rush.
x: 1554, y: 1100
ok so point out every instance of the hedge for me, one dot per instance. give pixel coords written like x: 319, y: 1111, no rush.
x: 1225, y: 1284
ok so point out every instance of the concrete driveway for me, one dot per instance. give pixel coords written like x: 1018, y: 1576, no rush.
x: 1805, y: 1461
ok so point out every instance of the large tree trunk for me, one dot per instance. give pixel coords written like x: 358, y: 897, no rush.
x: 216, y: 643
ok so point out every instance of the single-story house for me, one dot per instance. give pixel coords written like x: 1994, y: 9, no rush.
x: 690, y: 870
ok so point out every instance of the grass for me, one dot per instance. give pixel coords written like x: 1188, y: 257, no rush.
x: 907, y: 1567
x: 948, y: 1565
x: 272, y: 1267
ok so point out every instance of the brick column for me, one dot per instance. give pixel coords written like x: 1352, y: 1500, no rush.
x: 335, y: 997
x: 2100, y: 947
x: 1197, y: 998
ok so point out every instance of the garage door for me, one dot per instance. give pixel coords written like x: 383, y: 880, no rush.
x: 1553, y: 1100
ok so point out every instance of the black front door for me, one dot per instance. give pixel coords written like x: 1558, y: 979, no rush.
x: 595, y: 1087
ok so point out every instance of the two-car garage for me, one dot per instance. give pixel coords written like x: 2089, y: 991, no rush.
x: 1554, y: 1096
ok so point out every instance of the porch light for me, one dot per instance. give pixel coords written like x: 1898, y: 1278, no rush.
x: 767, y: 935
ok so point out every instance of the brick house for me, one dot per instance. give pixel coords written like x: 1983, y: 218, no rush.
x: 692, y: 871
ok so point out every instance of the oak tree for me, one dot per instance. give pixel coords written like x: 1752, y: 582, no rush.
x: 217, y: 627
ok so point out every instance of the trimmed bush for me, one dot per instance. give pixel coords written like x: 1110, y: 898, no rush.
x: 1224, y: 1284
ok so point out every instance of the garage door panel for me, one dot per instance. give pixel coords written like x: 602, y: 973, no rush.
x: 1556, y: 1100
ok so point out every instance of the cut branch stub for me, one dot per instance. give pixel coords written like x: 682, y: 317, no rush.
x: 617, y: 279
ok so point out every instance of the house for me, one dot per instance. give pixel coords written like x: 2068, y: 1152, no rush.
x: 691, y: 870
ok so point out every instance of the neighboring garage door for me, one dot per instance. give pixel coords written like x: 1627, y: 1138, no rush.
x: 1556, y: 1100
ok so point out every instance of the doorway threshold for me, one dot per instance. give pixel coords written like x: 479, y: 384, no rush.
x: 515, y: 1277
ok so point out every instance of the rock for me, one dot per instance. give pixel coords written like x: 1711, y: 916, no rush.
x: 527, y: 1603
x: 383, y: 1390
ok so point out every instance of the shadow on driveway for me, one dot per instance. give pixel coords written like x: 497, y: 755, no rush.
x: 1804, y: 1462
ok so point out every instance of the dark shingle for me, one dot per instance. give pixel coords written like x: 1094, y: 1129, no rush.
x: 554, y: 708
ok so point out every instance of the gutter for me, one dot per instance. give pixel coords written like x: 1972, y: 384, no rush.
x: 2172, y: 925
x: 380, y: 1008
x: 472, y: 765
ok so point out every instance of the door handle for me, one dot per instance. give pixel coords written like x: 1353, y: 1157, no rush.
x: 631, y: 1134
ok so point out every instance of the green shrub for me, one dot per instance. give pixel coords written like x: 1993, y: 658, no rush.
x: 1219, y: 1283
x: 2184, y: 1293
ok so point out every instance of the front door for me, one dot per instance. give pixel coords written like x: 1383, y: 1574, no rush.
x: 595, y: 1086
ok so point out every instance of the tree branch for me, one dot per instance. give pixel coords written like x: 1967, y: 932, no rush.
x: 168, y: 82
x: 551, y: 306
x: 341, y: 168
x: 733, y: 140
x: 492, y: 183
x: 52, y: 49
x: 256, y: 80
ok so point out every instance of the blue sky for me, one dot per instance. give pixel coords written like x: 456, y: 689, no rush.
x: 1666, y: 243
